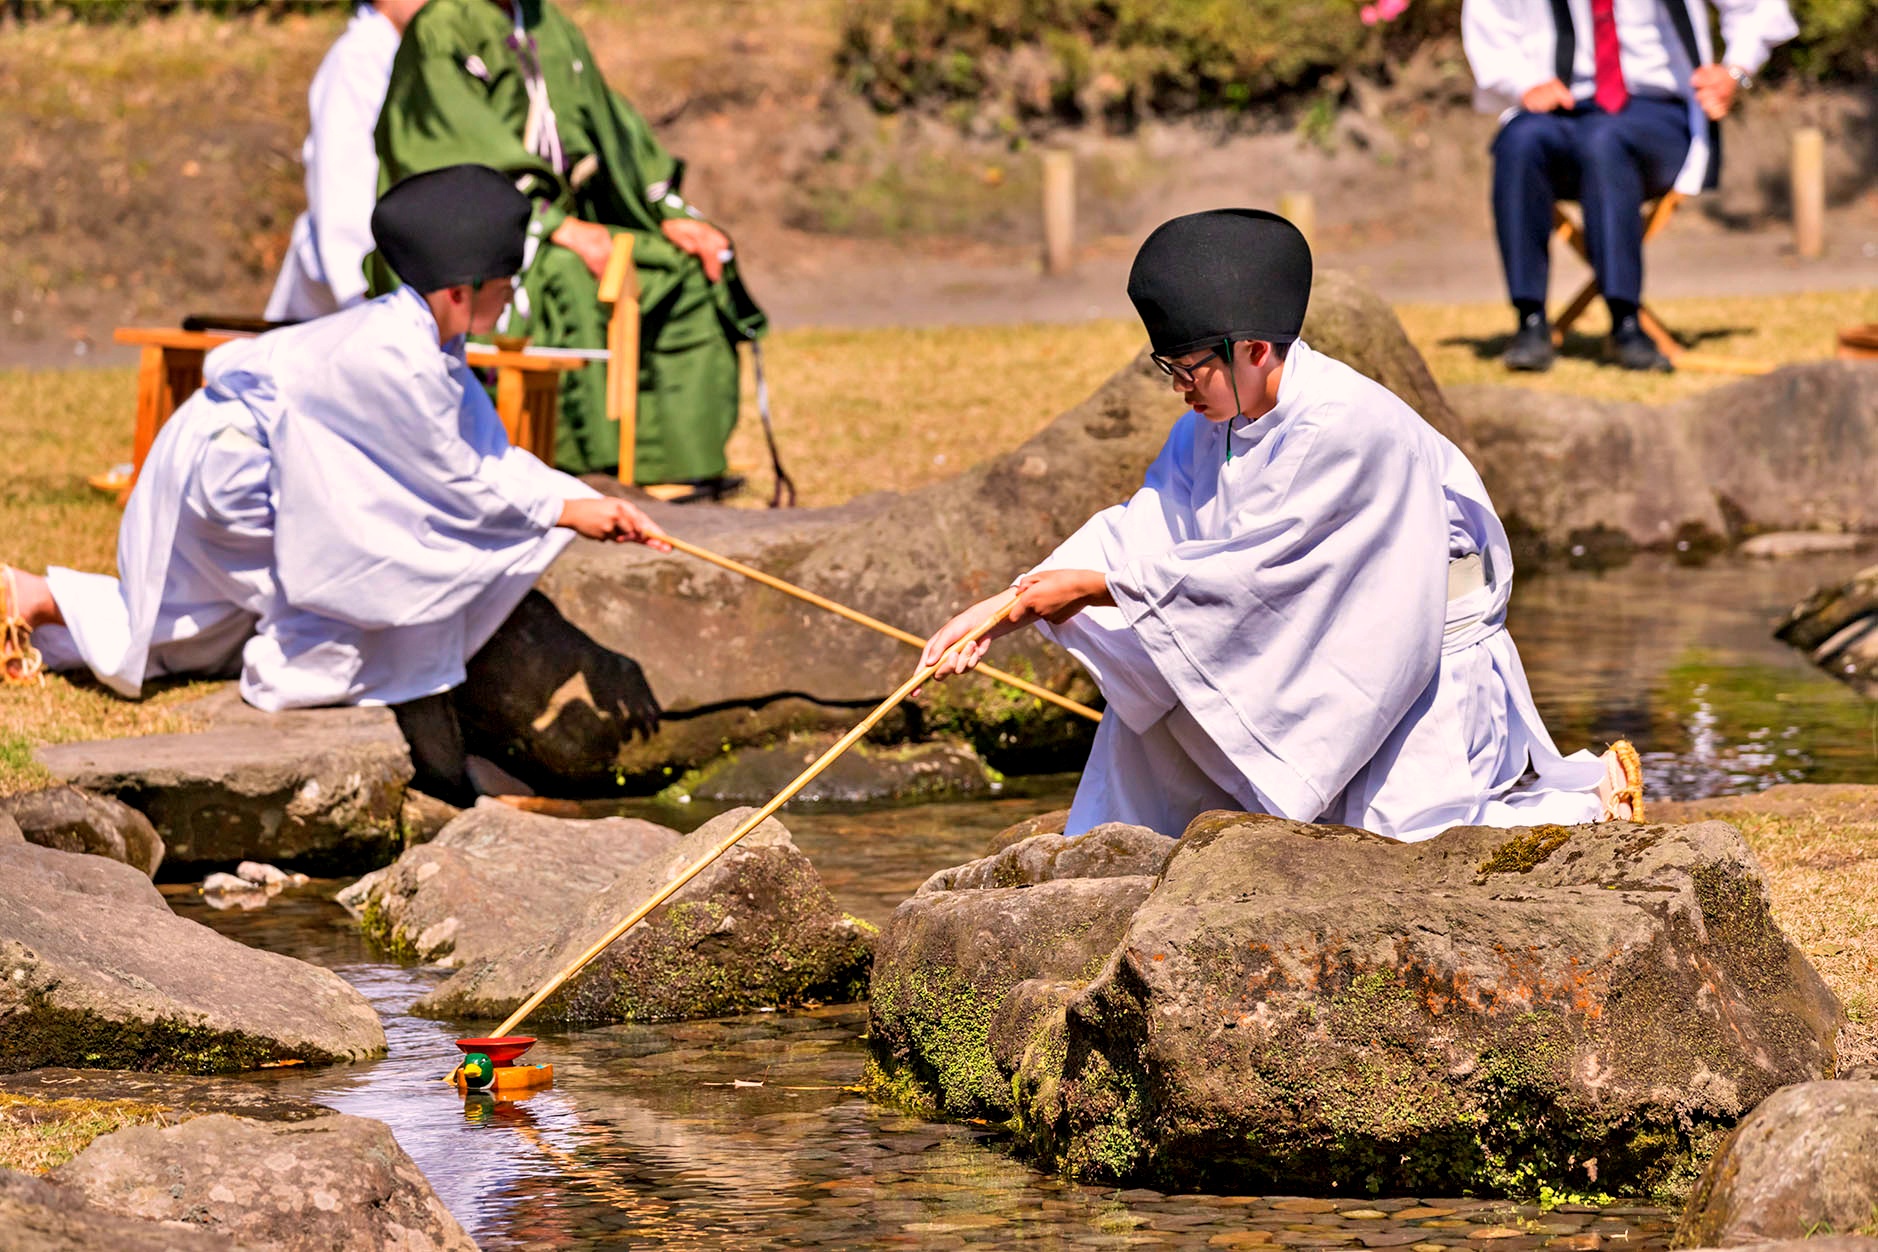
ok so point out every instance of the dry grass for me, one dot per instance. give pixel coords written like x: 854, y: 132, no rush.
x: 889, y: 410
x: 1463, y: 341
x: 1818, y: 848
x: 857, y: 411
x: 38, y: 1135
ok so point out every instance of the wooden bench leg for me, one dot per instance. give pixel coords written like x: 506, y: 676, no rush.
x: 541, y: 411
x: 512, y: 403
x: 165, y: 378
x: 619, y: 294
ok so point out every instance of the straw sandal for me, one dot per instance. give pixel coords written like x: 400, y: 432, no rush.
x: 1630, y: 765
x: 20, y: 662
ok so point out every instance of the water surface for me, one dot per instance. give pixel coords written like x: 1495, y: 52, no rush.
x: 746, y: 1133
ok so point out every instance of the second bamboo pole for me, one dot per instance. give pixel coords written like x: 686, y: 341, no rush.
x: 874, y: 623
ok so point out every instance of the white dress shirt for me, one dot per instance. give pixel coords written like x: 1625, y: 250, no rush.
x: 1511, y: 47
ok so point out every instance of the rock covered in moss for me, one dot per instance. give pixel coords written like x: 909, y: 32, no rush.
x: 961, y: 975
x: 865, y: 774
x: 97, y: 972
x: 1295, y: 1007
x: 496, y: 879
x: 74, y: 820
x: 757, y: 929
x: 304, y: 1186
x: 1804, y: 1162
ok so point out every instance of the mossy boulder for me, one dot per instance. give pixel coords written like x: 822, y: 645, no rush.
x: 756, y: 929
x: 495, y: 879
x: 1805, y: 1162
x: 1299, y: 1008
x: 97, y: 972
x: 960, y: 975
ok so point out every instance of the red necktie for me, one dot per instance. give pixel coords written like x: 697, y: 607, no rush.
x: 1611, y: 92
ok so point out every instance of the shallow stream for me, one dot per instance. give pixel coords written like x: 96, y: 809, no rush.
x: 744, y: 1133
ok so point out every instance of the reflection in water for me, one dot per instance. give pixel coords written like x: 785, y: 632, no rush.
x: 744, y: 1133
x: 1683, y: 662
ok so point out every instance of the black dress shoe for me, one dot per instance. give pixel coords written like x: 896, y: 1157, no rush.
x: 1531, y: 348
x: 1635, y: 350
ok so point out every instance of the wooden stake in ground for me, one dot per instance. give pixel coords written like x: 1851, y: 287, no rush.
x: 873, y: 623
x: 1809, y: 192
x: 749, y: 824
x: 1059, y: 212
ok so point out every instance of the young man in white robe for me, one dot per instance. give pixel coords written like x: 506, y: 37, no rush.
x: 324, y: 269
x: 1302, y: 610
x: 338, y: 515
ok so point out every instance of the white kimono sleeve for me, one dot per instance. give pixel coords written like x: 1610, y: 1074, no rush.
x: 1303, y: 636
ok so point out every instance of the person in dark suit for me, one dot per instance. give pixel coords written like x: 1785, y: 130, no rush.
x: 1607, y: 102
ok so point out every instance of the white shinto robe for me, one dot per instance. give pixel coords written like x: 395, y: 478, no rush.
x: 338, y: 509
x: 1283, y: 640
x: 323, y: 270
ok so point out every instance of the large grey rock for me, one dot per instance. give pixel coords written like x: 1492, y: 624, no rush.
x: 72, y: 820
x: 496, y: 879
x: 317, y: 790
x: 1112, y: 850
x: 1838, y: 627
x: 97, y: 972
x: 734, y: 662
x: 1804, y: 1162
x: 756, y: 929
x: 39, y: 1216
x: 330, y: 1182
x: 864, y: 774
x: 1296, y: 1007
x: 1556, y: 464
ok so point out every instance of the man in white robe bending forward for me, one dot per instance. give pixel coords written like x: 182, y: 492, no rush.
x: 1302, y: 610
x: 338, y: 512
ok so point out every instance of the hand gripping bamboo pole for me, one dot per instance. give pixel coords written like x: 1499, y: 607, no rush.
x: 874, y: 623
x: 749, y: 824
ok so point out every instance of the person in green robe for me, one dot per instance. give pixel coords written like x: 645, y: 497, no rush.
x: 512, y: 84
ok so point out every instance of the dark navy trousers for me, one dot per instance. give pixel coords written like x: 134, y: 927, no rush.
x: 1608, y: 162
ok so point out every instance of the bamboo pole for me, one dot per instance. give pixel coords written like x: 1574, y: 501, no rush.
x: 874, y: 623
x: 691, y: 871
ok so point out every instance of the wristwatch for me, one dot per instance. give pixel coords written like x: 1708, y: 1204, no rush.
x: 1743, y: 79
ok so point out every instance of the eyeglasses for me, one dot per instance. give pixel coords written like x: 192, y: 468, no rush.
x: 1182, y: 372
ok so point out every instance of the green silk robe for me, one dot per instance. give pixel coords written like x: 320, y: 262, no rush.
x: 457, y: 95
